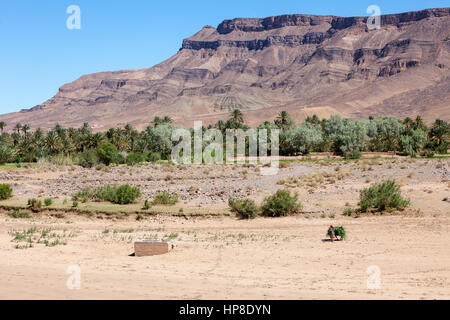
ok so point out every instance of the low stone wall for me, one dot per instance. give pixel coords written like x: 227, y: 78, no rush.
x: 152, y: 248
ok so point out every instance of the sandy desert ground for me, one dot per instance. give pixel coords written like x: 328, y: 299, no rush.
x: 221, y: 257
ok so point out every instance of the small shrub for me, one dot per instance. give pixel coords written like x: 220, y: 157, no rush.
x: 107, y: 153
x: 429, y: 154
x: 83, y: 195
x: 120, y: 158
x: 88, y: 159
x: 58, y: 215
x: 146, y: 205
x: 134, y: 158
x: 244, y: 208
x: 154, y: 157
x: 281, y: 204
x: 19, y: 214
x: 5, y: 191
x: 58, y: 159
x: 75, y: 204
x: 386, y: 195
x: 34, y: 204
x: 126, y: 194
x: 165, y: 198
x: 352, y: 155
x: 348, y: 212
x: 48, y: 202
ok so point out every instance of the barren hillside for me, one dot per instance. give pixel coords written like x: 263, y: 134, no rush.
x: 300, y: 63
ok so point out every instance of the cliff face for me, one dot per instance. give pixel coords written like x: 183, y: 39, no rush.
x: 300, y: 63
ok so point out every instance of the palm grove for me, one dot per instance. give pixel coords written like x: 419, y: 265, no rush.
x: 339, y: 135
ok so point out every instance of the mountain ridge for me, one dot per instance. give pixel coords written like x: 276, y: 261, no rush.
x: 304, y: 64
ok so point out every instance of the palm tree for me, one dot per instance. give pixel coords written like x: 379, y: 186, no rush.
x: 2, y: 126
x: 52, y: 142
x: 237, y: 116
x: 128, y: 128
x: 25, y: 128
x: 314, y: 120
x: 38, y: 134
x: 18, y: 127
x: 71, y: 132
x: 85, y: 129
x: 141, y: 145
x: 440, y: 131
x: 167, y: 120
x: 96, y: 140
x: 156, y: 121
x: 220, y: 125
x: 283, y: 121
x: 409, y: 124
x: 419, y: 124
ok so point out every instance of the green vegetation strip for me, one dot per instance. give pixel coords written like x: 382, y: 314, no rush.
x: 152, y: 212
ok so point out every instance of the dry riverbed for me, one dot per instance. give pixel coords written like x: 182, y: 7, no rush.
x: 223, y: 257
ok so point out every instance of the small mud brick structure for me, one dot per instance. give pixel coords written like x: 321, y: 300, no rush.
x: 152, y: 248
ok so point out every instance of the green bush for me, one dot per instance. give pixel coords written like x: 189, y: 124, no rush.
x: 5, y: 191
x: 107, y: 153
x: 105, y: 193
x: 281, y: 204
x: 348, y: 212
x: 154, y: 157
x: 124, y: 194
x: 19, y: 214
x: 57, y: 159
x: 48, y: 202
x: 134, y: 158
x: 34, y: 204
x: 165, y: 198
x: 120, y: 158
x: 244, y: 208
x: 88, y: 159
x: 352, y: 155
x: 413, y: 144
x: 386, y: 195
x: 75, y: 204
x: 146, y: 205
x: 84, y: 195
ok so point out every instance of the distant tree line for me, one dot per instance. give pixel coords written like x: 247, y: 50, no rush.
x: 341, y: 136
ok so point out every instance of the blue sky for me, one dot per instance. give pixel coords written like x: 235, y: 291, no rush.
x: 38, y: 54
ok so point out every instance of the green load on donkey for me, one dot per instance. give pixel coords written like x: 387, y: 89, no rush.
x: 336, y: 233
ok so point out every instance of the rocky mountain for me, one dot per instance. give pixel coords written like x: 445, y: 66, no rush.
x: 304, y: 64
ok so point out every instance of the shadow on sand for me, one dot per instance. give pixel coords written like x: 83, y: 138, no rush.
x: 329, y: 240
